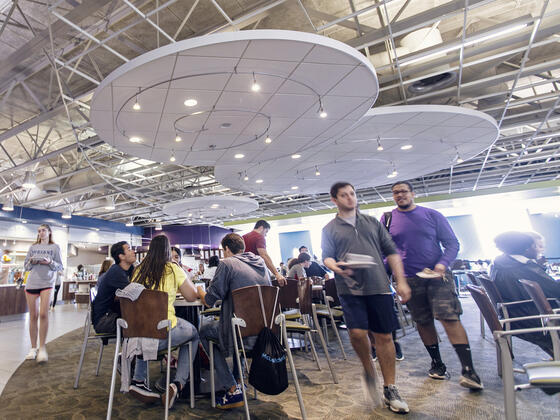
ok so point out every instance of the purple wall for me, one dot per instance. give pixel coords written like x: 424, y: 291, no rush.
x: 188, y: 236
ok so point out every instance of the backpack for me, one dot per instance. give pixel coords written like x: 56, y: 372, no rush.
x: 268, y: 373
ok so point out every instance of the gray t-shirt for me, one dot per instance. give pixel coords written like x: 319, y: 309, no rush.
x: 42, y: 275
x: 368, y: 237
x: 297, y: 269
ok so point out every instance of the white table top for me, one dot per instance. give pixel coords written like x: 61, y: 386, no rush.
x: 184, y: 302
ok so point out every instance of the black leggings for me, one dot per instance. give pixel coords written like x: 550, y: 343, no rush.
x: 56, y: 289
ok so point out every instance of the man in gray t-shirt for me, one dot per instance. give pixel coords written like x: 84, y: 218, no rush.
x: 364, y: 293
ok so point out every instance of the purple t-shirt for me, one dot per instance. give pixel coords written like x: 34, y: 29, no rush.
x: 419, y: 235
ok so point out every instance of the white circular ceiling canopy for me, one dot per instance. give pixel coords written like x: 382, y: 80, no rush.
x: 258, y: 93
x: 414, y: 140
x: 211, y: 207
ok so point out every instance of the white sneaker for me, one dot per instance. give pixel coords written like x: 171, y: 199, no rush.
x: 42, y: 355
x: 32, y: 355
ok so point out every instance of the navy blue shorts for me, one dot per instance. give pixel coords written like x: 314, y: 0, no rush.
x: 371, y: 312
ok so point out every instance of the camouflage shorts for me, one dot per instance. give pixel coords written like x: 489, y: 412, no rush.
x: 434, y: 298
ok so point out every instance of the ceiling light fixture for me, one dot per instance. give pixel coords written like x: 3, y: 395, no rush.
x: 9, y: 204
x: 172, y: 158
x: 158, y: 226
x: 296, y: 156
x: 379, y: 145
x: 67, y: 214
x: 317, y: 173
x: 23, y: 221
x: 406, y: 147
x: 322, y: 113
x: 295, y: 187
x: 136, y: 105
x: 246, y: 178
x: 255, y: 87
x: 178, y: 138
x: 130, y: 223
x: 214, y: 206
x: 394, y: 172
x: 239, y: 156
x: 135, y: 139
x: 190, y: 102
x: 268, y: 140
x: 259, y: 181
x: 29, y: 180
x: 110, y: 204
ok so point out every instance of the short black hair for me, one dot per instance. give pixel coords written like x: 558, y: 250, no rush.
x: 234, y: 242
x: 213, y: 261
x: 262, y: 223
x: 408, y: 184
x: 513, y: 243
x: 338, y: 186
x: 303, y: 246
x: 118, y: 249
x: 303, y: 257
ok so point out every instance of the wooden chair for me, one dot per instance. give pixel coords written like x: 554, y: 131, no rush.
x: 330, y: 296
x: 254, y: 308
x: 544, y: 375
x: 543, y: 305
x: 90, y: 334
x: 146, y: 317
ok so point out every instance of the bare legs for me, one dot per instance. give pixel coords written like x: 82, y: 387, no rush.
x: 454, y: 330
x: 385, y: 352
x: 38, y: 316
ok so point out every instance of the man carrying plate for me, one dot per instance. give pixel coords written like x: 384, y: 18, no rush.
x: 420, y: 233
x: 354, y: 245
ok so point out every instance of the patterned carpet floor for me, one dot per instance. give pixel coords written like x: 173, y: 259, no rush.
x: 46, y: 392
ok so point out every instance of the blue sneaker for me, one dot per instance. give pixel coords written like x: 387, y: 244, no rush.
x: 231, y: 399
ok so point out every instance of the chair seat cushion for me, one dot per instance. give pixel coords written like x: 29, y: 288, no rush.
x: 544, y: 374
x: 292, y: 314
x: 296, y: 327
x: 210, y: 311
x: 324, y: 312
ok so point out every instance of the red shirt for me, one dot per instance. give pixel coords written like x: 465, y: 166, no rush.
x: 254, y: 240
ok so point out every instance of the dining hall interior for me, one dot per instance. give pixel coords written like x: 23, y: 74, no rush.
x: 212, y: 140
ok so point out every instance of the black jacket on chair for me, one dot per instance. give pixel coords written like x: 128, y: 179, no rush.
x: 506, y: 273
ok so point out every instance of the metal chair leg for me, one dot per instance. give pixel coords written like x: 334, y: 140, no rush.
x: 325, y: 349
x: 333, y: 323
x: 238, y: 360
x: 212, y: 385
x: 325, y: 332
x: 313, y: 350
x: 114, y: 374
x: 99, y: 358
x: 191, y: 373
x: 82, y: 355
x: 294, y: 372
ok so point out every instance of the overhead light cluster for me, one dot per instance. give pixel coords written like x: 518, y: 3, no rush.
x: 8, y: 204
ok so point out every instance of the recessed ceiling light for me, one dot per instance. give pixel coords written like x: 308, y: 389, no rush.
x: 178, y: 139
x: 268, y: 140
x: 239, y: 156
x: 190, y: 102
x: 135, y: 139
x: 322, y: 114
x: 215, y: 206
x: 259, y: 181
x: 296, y: 156
x: 406, y: 147
x: 172, y: 158
x: 190, y: 215
x: 295, y: 187
x: 136, y: 106
x: 245, y: 178
x: 392, y: 175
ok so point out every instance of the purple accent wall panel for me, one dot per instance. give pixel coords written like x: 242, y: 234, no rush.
x: 188, y: 236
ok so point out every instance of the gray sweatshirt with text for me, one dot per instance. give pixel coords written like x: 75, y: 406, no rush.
x: 42, y: 275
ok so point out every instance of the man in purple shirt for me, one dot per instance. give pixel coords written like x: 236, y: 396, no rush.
x: 419, y: 234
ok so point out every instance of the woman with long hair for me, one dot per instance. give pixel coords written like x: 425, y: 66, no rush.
x: 43, y: 261
x: 157, y: 272
x: 105, y: 265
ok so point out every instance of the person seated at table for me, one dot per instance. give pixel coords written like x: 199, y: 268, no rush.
x: 157, y: 272
x: 315, y: 269
x: 238, y: 269
x: 517, y: 262
x: 105, y: 309
x: 298, y: 270
x: 213, y: 263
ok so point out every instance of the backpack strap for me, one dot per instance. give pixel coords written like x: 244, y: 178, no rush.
x: 388, y: 218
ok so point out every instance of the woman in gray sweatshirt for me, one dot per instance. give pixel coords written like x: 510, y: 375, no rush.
x: 43, y: 261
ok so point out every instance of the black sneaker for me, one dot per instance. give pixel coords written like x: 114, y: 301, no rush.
x: 373, y: 354
x: 231, y: 399
x: 173, y: 392
x: 398, y: 352
x: 438, y: 371
x: 393, y: 400
x: 469, y: 379
x: 142, y: 392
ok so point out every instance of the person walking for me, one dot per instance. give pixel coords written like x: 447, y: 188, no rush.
x: 364, y: 293
x: 57, y: 284
x: 43, y: 261
x: 420, y: 233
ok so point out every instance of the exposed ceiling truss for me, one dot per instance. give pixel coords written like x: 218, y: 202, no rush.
x: 505, y: 53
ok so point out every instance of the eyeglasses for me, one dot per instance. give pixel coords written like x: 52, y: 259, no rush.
x: 397, y: 192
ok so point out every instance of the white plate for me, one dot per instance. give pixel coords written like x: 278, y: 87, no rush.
x: 359, y: 264
x: 423, y: 275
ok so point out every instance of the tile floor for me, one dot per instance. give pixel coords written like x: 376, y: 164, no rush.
x: 14, y: 335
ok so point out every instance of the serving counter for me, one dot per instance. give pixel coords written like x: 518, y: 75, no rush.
x: 12, y: 300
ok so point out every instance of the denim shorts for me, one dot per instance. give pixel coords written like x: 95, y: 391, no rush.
x: 370, y: 312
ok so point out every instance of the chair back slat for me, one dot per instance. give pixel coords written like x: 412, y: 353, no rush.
x: 537, y: 294
x: 144, y: 314
x: 305, y: 296
x: 288, y: 293
x: 330, y: 290
x: 493, y: 292
x: 486, y: 307
x: 247, y: 306
x: 473, y: 279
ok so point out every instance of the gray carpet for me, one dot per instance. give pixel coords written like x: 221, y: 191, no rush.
x: 46, y: 391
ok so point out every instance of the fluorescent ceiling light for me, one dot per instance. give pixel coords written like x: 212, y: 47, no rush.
x: 296, y: 156
x: 135, y: 139
x: 259, y: 181
x: 406, y: 147
x: 239, y: 156
x: 190, y: 102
